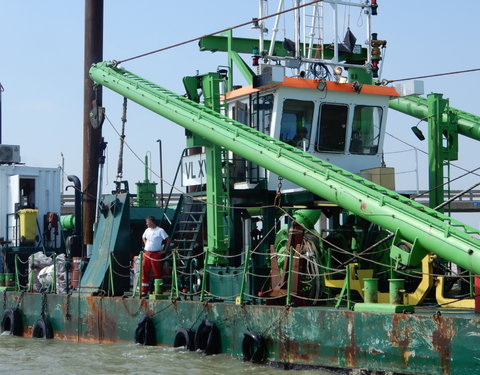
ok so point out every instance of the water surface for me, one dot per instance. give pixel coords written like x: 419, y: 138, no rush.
x: 21, y: 355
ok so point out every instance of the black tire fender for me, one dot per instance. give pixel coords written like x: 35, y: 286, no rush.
x: 254, y: 347
x: 42, y: 329
x: 184, y: 337
x: 12, y: 321
x: 145, y: 332
x: 207, y: 338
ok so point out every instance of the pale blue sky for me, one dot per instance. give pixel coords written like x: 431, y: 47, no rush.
x: 41, y: 68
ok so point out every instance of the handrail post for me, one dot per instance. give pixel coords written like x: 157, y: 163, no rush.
x: 110, y: 274
x: 53, y: 287
x: 17, y: 279
x: 289, y: 285
x: 204, y: 276
x: 174, y: 276
x: 138, y: 279
x: 31, y: 274
x: 349, y: 303
x: 244, y: 278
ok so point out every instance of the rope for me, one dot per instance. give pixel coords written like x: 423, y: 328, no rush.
x: 116, y: 261
x: 120, y: 274
x: 225, y: 256
x: 224, y: 275
x: 157, y: 260
x: 218, y: 32
x: 386, y: 82
x: 196, y: 198
x: 472, y: 171
x: 200, y: 314
x: 209, y: 294
x: 180, y: 256
x: 162, y: 310
x: 190, y: 294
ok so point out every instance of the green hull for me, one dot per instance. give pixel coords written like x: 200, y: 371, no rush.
x: 421, y: 343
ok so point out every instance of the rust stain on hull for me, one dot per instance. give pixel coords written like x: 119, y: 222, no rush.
x: 99, y: 320
x: 352, y: 351
x: 442, y: 339
x: 400, y: 335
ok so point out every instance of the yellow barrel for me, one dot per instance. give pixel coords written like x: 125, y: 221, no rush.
x: 28, y: 224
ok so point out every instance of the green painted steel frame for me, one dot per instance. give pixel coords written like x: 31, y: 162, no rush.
x: 435, y: 232
x: 436, y: 108
x: 444, y: 122
x: 467, y: 124
x: 112, y: 239
x: 246, y: 45
x: 217, y: 197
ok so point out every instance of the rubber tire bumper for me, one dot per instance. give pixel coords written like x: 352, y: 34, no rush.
x: 254, y: 347
x: 12, y: 321
x: 207, y: 338
x: 184, y: 337
x: 42, y: 329
x: 145, y: 332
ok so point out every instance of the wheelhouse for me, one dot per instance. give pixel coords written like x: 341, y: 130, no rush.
x: 342, y: 123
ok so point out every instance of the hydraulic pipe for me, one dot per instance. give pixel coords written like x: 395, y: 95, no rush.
x: 432, y: 230
x: 416, y: 106
x: 74, y: 244
x: 78, y: 203
x: 307, y: 218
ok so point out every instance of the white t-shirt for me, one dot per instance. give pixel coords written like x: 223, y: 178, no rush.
x: 154, y: 238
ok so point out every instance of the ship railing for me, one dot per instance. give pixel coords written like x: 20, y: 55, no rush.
x: 67, y: 202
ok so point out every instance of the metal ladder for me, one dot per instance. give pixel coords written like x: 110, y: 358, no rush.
x: 186, y: 228
x: 313, y: 22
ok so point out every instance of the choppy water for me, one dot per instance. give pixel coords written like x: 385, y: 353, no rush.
x: 20, y: 355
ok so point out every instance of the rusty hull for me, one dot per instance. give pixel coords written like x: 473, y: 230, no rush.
x: 422, y: 343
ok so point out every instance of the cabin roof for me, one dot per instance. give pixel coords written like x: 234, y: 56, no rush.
x: 311, y: 84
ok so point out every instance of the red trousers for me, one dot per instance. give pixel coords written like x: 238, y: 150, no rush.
x: 151, y: 263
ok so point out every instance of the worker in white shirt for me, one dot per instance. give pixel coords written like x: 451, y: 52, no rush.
x: 156, y: 242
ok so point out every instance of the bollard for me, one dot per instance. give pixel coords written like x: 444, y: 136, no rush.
x: 370, y: 290
x: 396, y: 291
x: 158, y: 286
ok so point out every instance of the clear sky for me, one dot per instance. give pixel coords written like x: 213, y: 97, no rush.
x: 41, y: 69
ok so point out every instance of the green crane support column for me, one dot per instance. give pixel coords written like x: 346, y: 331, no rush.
x: 444, y: 125
x: 436, y: 106
x: 217, y: 198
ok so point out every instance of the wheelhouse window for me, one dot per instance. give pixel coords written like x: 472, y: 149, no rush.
x: 240, y: 112
x: 296, y: 124
x: 366, y: 127
x: 262, y: 108
x: 332, y: 128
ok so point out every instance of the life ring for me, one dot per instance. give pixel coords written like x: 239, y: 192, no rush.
x: 254, y: 347
x: 12, y: 322
x: 207, y: 338
x: 145, y: 332
x: 42, y: 329
x: 184, y: 337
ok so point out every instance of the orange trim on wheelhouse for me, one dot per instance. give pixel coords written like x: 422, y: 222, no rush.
x: 312, y: 85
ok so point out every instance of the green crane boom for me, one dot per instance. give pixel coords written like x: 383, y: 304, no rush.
x: 416, y: 106
x: 410, y: 220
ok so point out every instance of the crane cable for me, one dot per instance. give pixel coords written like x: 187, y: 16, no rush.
x: 255, y: 20
x: 388, y: 81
